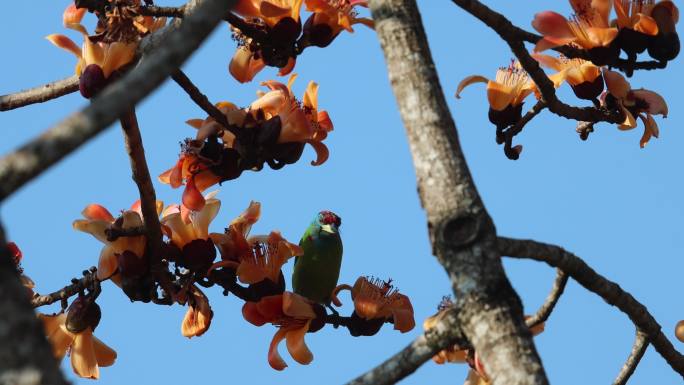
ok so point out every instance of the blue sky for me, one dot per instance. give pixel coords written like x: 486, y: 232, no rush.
x: 615, y: 205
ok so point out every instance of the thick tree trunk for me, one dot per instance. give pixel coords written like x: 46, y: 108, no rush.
x: 463, y: 235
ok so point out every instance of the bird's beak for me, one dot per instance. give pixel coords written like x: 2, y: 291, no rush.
x: 327, y: 229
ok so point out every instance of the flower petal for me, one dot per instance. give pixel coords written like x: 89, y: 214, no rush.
x: 198, y: 317
x: 297, y: 346
x: 192, y: 197
x: 468, y: 81
x: 499, y: 96
x: 252, y: 315
x: 322, y: 152
x: 73, y: 15
x: 64, y: 43
x: 104, y: 354
x: 552, y: 24
x: 617, y: 85
x: 201, y: 219
x: 95, y: 211
x: 296, y: 306
x: 107, y: 264
x: 83, y: 360
x: 656, y: 103
x: 274, y: 358
x: 95, y: 228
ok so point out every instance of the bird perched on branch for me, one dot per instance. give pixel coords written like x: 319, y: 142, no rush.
x: 317, y: 270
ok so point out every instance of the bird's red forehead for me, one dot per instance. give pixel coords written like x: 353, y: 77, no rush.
x: 329, y: 218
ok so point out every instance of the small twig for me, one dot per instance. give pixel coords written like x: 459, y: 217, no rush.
x: 611, y: 292
x: 338, y: 320
x: 89, y: 279
x: 203, y: 102
x: 444, y: 334
x: 39, y: 94
x: 638, y: 350
x: 551, y: 300
x: 518, y: 127
x: 584, y: 129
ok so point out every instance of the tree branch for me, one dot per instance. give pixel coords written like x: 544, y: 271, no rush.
x: 504, y: 28
x: 638, y: 350
x: 444, y: 334
x: 77, y: 286
x: 148, y: 198
x: 203, y: 102
x: 174, y: 43
x: 551, y: 300
x: 608, y: 290
x: 25, y: 354
x: 462, y: 234
x: 152, y: 10
x: 39, y: 94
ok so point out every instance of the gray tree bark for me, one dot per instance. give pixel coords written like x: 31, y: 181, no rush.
x: 461, y: 231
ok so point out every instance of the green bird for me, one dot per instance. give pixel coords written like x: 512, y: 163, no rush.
x: 317, y: 270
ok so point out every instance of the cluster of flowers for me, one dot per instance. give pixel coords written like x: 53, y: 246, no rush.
x: 254, y: 260
x: 640, y: 24
x: 276, y: 128
x: 273, y: 130
x: 271, y: 32
x: 103, y: 56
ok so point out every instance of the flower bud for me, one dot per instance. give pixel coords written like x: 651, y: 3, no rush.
x: 267, y: 287
x: 319, y: 322
x: 198, y: 255
x: 229, y: 167
x: 631, y: 41
x: 92, y: 81
x: 506, y: 117
x: 362, y: 327
x: 285, y: 32
x: 132, y: 265
x: 317, y: 34
x: 601, y: 56
x: 679, y: 330
x: 83, y: 313
x: 589, y: 90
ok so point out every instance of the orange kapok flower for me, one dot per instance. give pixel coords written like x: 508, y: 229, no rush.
x: 198, y: 317
x: 87, y: 352
x: 640, y: 103
x: 589, y: 28
x: 255, y: 258
x: 101, y: 55
x: 583, y: 76
x: 301, y: 122
x: 329, y: 18
x: 96, y: 223
x: 270, y: 11
x: 636, y: 15
x: 279, y: 21
x: 506, y: 93
x: 189, y: 232
x: 292, y: 314
x: 377, y: 299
